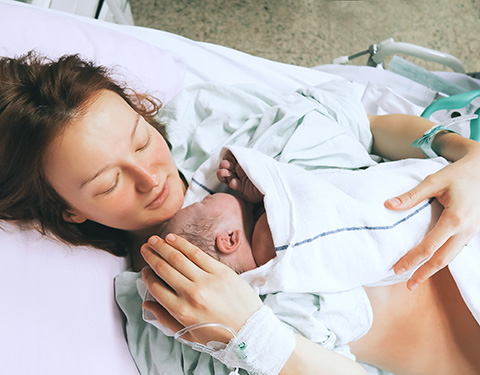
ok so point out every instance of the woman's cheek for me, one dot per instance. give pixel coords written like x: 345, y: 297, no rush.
x: 120, y: 207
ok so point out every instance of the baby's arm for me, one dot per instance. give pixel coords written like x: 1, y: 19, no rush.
x: 232, y: 174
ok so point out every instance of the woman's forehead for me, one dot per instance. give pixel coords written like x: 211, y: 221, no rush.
x: 95, y: 139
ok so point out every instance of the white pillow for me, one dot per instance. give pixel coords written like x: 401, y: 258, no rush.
x: 53, y: 33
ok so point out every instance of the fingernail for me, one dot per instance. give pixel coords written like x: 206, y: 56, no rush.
x: 394, y: 202
x: 170, y: 237
x: 399, y: 271
x: 153, y: 240
x: 413, y: 286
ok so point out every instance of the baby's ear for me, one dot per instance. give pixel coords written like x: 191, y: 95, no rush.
x: 228, y: 242
x: 73, y: 217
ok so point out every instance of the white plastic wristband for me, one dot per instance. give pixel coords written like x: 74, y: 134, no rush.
x: 262, y: 347
x: 425, y: 142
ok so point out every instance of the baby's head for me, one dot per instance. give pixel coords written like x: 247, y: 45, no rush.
x: 222, y: 226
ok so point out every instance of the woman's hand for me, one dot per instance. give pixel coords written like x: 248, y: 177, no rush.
x: 456, y: 187
x: 191, y: 287
x: 195, y: 288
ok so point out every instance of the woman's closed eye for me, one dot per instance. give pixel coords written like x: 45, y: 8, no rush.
x: 146, y: 144
x: 112, y: 187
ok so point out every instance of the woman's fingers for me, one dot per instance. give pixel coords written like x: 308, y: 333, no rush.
x: 193, y: 287
x: 455, y: 188
x: 187, y: 259
x: 433, y: 241
x: 168, y: 263
x: 159, y: 289
x: 442, y: 244
x: 411, y: 198
x: 203, y: 261
x: 440, y: 259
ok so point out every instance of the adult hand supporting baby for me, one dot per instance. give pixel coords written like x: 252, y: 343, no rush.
x: 456, y: 189
x: 191, y: 287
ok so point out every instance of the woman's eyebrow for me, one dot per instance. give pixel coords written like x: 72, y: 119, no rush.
x: 132, y: 135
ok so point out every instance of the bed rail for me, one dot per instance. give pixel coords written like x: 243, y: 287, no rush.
x: 378, y: 52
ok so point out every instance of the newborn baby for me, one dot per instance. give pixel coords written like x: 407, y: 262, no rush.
x: 233, y: 230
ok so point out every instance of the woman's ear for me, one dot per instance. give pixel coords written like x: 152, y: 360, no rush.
x: 73, y: 217
x: 228, y: 242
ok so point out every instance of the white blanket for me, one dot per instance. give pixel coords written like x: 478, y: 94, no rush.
x: 331, y: 230
x: 332, y: 235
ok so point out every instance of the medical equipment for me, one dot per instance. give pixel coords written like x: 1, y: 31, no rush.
x: 461, y: 107
x: 378, y: 52
x: 458, y: 113
x: 204, y: 348
x: 425, y: 142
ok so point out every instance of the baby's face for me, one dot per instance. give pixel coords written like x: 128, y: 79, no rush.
x: 226, y: 206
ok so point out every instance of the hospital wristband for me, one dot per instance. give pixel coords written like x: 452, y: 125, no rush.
x: 425, y: 142
x: 261, y: 347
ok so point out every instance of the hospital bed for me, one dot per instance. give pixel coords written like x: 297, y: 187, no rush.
x: 58, y: 313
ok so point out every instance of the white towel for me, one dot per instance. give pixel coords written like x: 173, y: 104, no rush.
x: 332, y: 231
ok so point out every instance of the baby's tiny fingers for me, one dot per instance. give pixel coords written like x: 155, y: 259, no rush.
x: 235, y: 184
x: 224, y: 174
x: 229, y: 159
x: 226, y: 164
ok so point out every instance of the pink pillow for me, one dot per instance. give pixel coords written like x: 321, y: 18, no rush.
x: 59, y: 314
x: 53, y: 33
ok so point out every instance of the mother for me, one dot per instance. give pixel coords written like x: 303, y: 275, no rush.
x: 85, y: 158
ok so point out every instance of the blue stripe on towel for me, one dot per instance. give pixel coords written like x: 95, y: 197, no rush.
x: 352, y: 229
x: 203, y: 186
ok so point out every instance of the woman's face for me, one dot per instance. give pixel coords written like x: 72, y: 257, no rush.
x: 114, y: 168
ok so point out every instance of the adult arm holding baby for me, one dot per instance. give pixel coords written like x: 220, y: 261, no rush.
x: 393, y: 136
x: 236, y: 179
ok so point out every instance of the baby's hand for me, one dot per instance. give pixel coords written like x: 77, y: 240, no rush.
x: 232, y: 174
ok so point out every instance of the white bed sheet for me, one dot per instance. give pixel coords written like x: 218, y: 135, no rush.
x: 58, y: 310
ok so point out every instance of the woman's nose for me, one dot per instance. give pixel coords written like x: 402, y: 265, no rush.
x: 145, y: 178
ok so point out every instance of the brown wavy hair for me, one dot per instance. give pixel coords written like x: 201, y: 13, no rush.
x: 39, y: 97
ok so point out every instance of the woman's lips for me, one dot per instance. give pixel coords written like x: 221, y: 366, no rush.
x: 160, y: 198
